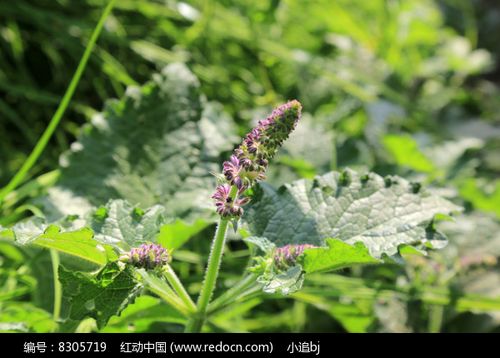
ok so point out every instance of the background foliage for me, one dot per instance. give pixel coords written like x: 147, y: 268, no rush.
x: 405, y: 88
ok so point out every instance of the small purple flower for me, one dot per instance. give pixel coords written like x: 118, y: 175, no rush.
x: 251, y: 140
x: 226, y: 206
x: 148, y: 256
x: 232, y: 169
x: 286, y: 256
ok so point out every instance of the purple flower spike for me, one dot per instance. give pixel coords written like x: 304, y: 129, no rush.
x: 148, y: 256
x: 286, y: 256
x: 250, y: 160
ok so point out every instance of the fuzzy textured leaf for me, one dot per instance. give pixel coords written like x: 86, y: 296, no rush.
x: 284, y: 283
x: 124, y: 226
x: 118, y: 225
x: 382, y: 213
x: 99, y: 297
x: 158, y: 144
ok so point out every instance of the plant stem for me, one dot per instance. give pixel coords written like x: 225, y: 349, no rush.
x: 56, y: 118
x: 164, y: 291
x: 246, y: 294
x: 435, y: 318
x: 32, y: 188
x: 195, y: 324
x: 178, y: 287
x: 169, y: 297
x: 54, y: 255
x: 233, y: 293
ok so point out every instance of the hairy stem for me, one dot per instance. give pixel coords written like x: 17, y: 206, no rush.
x: 165, y: 292
x: 233, y: 293
x: 49, y: 131
x: 169, y: 297
x: 54, y: 255
x: 195, y: 324
x: 178, y: 287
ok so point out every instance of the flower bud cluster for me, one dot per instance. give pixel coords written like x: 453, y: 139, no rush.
x: 148, y: 256
x: 286, y: 256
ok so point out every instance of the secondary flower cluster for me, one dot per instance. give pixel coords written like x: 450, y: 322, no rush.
x: 286, y: 256
x: 227, y: 206
x: 148, y: 256
x: 248, y: 163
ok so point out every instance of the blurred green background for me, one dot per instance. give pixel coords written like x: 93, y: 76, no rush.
x: 397, y: 87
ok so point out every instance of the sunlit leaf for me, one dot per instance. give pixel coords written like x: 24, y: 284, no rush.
x: 156, y: 145
x: 335, y: 256
x: 381, y: 213
x: 101, y: 296
x: 405, y: 151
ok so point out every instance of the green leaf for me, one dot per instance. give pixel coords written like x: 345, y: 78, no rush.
x: 355, y: 316
x: 354, y: 319
x: 447, y: 153
x: 79, y: 243
x: 14, y: 284
x: 25, y: 317
x: 124, y: 226
x: 475, y: 248
x: 474, y: 238
x: 335, y: 256
x: 158, y: 144
x: 262, y: 243
x: 117, y: 225
x: 486, y: 200
x: 382, y: 213
x: 218, y: 131
x: 174, y: 235
x: 284, y: 283
x: 404, y: 149
x: 141, y: 314
x: 100, y: 296
x: 25, y: 231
